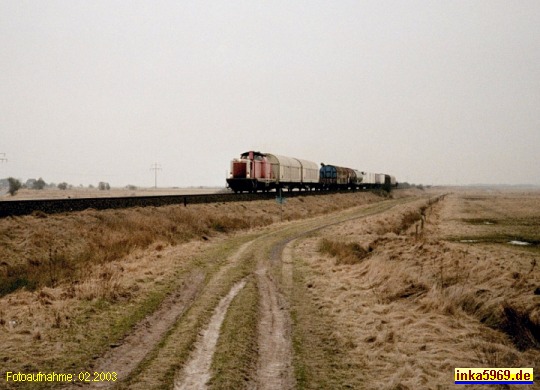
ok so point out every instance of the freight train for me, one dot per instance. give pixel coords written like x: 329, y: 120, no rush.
x: 256, y: 171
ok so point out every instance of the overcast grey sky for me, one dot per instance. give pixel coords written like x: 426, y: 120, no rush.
x: 431, y: 91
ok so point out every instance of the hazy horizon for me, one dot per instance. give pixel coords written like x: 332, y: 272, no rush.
x: 431, y: 92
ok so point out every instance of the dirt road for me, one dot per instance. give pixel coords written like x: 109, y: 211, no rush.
x: 269, y: 365
x: 330, y: 301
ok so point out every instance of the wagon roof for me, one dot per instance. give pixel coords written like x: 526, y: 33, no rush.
x: 283, y: 160
x: 308, y: 164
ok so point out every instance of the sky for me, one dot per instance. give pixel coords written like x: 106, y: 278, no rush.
x: 433, y: 92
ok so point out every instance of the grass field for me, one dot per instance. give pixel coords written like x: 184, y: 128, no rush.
x: 414, y: 306
x: 375, y: 292
x: 85, y: 192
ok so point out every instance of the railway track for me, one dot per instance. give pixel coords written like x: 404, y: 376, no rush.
x: 53, y: 206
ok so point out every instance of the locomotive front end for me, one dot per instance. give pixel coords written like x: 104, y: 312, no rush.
x: 250, y: 172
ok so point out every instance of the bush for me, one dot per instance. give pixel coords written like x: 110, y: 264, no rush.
x: 104, y: 186
x: 63, y: 186
x: 39, y: 184
x: 14, y: 186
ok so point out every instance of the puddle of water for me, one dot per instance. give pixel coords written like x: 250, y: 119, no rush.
x: 480, y: 221
x: 523, y: 243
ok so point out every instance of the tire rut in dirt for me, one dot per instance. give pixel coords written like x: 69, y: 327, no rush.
x: 274, y: 369
x: 196, y: 372
x: 131, y: 351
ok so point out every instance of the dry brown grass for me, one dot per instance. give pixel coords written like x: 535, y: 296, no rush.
x: 417, y: 307
x: 39, y: 251
x: 105, y: 270
x: 345, y: 253
x: 64, y: 327
x: 402, y: 317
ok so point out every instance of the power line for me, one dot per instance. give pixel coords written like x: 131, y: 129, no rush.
x: 155, y: 167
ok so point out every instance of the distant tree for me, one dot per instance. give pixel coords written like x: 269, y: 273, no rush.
x: 39, y: 184
x: 14, y: 185
x: 29, y: 183
x: 104, y: 186
x: 131, y: 187
x: 63, y: 185
x: 90, y: 186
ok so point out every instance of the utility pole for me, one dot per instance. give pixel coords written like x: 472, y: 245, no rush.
x: 155, y: 167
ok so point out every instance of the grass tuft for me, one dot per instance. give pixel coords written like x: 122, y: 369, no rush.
x: 345, y: 253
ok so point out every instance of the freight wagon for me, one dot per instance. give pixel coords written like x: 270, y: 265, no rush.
x: 333, y: 177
